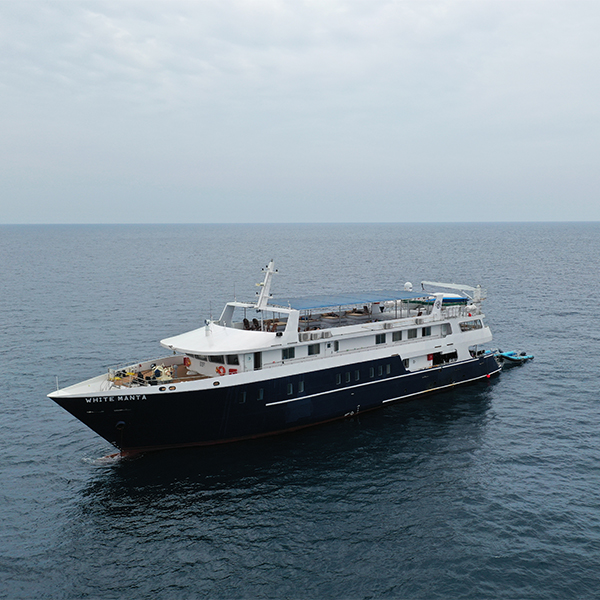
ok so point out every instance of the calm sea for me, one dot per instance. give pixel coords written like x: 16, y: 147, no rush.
x: 491, y: 491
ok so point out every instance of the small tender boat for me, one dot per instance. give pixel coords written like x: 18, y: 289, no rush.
x: 512, y: 358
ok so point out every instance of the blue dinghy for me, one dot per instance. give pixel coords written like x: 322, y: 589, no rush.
x: 513, y: 358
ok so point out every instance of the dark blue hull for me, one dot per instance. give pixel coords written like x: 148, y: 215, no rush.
x: 225, y: 414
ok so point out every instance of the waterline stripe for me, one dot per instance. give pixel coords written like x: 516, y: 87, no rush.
x: 443, y: 387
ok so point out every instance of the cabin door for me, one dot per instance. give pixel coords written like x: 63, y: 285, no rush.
x: 257, y: 361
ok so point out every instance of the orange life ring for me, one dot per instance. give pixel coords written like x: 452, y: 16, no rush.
x: 221, y: 370
x: 186, y: 361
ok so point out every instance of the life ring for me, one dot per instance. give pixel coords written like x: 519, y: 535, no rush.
x: 186, y: 361
x: 221, y: 370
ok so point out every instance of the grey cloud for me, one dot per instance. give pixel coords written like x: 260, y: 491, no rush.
x: 310, y: 110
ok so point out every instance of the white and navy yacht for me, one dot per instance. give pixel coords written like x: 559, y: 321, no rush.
x: 275, y: 365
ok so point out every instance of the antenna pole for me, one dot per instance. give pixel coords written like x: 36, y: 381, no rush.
x: 264, y: 294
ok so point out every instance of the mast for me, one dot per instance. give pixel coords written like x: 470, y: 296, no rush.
x: 264, y: 294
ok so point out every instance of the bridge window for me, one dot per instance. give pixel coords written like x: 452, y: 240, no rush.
x: 471, y: 325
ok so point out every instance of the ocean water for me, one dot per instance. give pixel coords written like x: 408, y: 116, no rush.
x: 490, y: 491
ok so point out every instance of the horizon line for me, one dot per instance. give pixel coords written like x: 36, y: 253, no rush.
x: 293, y: 223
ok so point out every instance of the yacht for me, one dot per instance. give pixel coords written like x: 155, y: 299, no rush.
x: 279, y: 364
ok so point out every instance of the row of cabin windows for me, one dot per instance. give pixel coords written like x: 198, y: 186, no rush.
x: 260, y: 395
x: 230, y: 359
x: 380, y: 338
x: 347, y: 377
x: 350, y: 376
x: 315, y: 349
x: 289, y: 353
x: 290, y: 388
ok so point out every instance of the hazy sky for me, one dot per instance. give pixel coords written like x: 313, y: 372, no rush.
x: 322, y: 110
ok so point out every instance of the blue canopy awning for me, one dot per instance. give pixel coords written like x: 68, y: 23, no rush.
x: 346, y: 299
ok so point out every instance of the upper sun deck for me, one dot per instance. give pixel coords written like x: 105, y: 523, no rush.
x: 281, y: 321
x: 347, y: 299
x: 316, y: 317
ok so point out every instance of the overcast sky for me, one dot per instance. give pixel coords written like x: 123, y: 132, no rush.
x: 287, y: 111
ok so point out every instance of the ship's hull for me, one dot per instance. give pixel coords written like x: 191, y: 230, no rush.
x: 140, y: 419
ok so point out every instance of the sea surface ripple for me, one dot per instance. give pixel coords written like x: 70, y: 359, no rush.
x: 490, y: 491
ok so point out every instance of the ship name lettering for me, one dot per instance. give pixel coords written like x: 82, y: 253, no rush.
x: 116, y: 398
